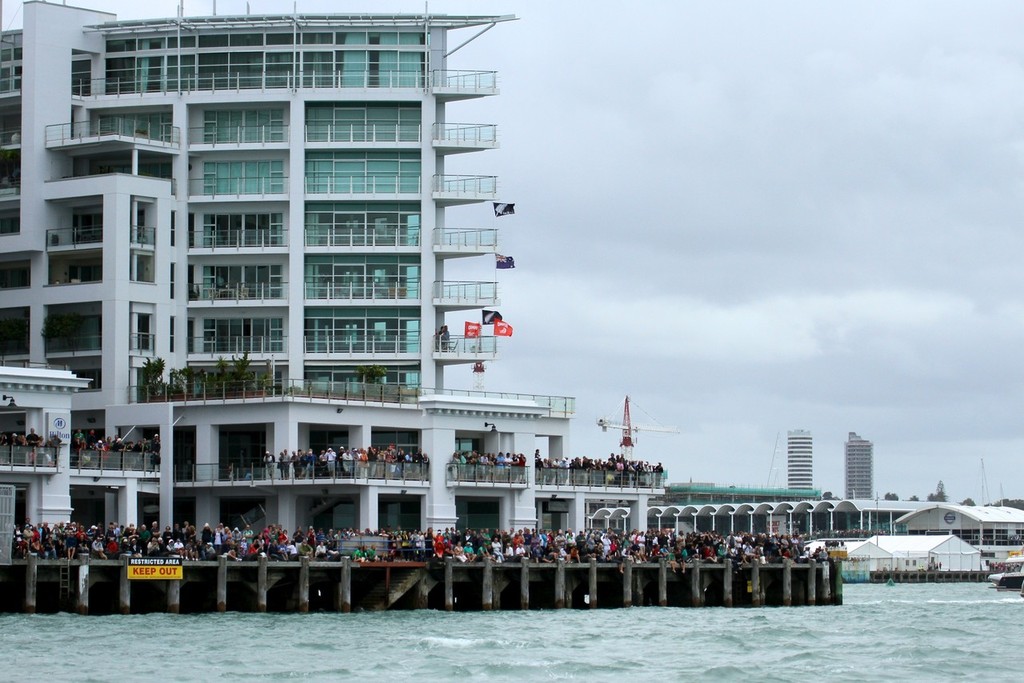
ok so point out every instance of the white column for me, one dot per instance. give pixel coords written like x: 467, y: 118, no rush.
x: 439, y: 444
x: 368, y: 510
x: 128, y: 502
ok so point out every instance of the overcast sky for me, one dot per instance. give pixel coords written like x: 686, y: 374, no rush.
x: 754, y: 217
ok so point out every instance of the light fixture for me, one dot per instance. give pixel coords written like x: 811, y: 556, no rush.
x: 91, y: 420
x: 339, y: 410
x: 493, y: 426
x: 404, y: 491
x: 12, y: 404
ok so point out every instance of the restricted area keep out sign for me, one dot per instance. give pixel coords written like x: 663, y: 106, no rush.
x: 155, y: 568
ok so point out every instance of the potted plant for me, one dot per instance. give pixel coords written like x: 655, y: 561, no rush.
x: 14, y: 335
x: 62, y: 327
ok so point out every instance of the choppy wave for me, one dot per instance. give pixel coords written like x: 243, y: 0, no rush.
x: 907, y: 633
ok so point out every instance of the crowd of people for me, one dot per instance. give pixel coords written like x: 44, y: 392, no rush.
x: 72, y: 541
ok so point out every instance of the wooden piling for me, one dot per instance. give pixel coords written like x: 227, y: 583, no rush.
x: 83, y: 587
x: 560, y: 584
x: 727, y: 576
x: 449, y: 588
x: 487, y: 587
x: 303, y: 585
x: 755, y: 583
x: 261, y: 585
x: 662, y: 582
x: 31, y: 581
x: 173, y: 597
x: 627, y: 582
x: 222, y: 584
x: 592, y: 583
x: 524, y: 585
x: 124, y: 592
x: 812, y: 583
x: 696, y: 585
x: 787, y: 582
x: 345, y: 587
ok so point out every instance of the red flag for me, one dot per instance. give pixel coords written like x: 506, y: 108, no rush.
x: 472, y: 329
x: 502, y: 329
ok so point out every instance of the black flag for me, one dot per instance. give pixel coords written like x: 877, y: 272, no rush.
x: 503, y: 209
x: 490, y: 317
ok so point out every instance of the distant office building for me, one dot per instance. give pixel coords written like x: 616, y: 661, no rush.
x: 860, y: 468
x: 800, y: 459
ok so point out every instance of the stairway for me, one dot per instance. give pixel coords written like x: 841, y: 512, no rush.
x: 382, y: 596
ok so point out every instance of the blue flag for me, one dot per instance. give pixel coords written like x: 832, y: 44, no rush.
x: 504, y: 261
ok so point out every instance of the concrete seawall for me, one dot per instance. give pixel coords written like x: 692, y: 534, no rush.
x: 103, y: 587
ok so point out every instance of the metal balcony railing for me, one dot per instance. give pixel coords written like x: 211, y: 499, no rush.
x: 91, y: 461
x: 131, y: 84
x: 38, y: 458
x: 466, y: 134
x: 465, y: 82
x: 610, y: 479
x: 243, y: 237
x: 237, y: 187
x: 142, y: 343
x: 361, y: 345
x: 238, y: 135
x: 236, y: 346
x: 465, y: 186
x: 91, y: 236
x: 60, y: 134
x: 459, y: 346
x: 240, y: 291
x: 394, y: 287
x: 465, y: 239
x: 467, y: 293
x: 375, y: 235
x: 332, y: 183
x: 486, y: 474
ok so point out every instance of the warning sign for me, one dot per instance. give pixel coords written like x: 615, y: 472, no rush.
x: 158, y: 568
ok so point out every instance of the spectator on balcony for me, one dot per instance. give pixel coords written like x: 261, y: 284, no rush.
x: 32, y: 439
x: 268, y: 465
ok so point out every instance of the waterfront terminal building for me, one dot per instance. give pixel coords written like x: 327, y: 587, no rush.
x: 247, y: 234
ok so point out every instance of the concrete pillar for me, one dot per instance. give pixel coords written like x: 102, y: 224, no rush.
x: 422, y: 600
x: 173, y: 597
x: 222, y: 584
x: 83, y: 586
x: 812, y: 582
x: 592, y: 587
x: 662, y: 582
x: 627, y: 582
x: 560, y: 584
x: 755, y: 584
x: 727, y: 584
x: 345, y: 587
x: 368, y: 508
x: 124, y: 593
x: 303, y: 585
x: 488, y: 585
x: 261, y: 585
x: 524, y: 585
x: 787, y: 582
x: 31, y: 578
x: 128, y: 501
x: 696, y: 585
x: 449, y: 596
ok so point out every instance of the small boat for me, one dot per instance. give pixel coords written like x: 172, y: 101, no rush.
x: 1010, y: 574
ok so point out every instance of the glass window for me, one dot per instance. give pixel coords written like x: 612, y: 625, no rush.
x: 214, y: 40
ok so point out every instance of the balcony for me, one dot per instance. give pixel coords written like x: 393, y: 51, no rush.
x: 143, y: 237
x: 372, y: 185
x: 28, y: 459
x: 460, y: 349
x: 451, y: 190
x: 451, y: 138
x: 111, y: 130
x: 240, y: 82
x: 142, y: 344
x: 245, y: 473
x: 344, y: 345
x: 114, y: 462
x: 10, y: 189
x: 236, y: 346
x: 254, y: 238
x: 273, y: 187
x: 357, y: 289
x: 462, y: 295
x: 65, y: 239
x: 235, y: 137
x: 358, y: 133
x: 487, y: 476
x: 249, y: 292
x: 465, y: 241
x: 461, y: 85
x: 600, y: 479
x: 10, y: 138
x: 79, y: 345
x: 390, y: 235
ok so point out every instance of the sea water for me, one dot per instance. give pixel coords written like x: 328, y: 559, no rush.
x: 921, y: 632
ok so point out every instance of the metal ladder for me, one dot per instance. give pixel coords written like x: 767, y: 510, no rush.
x: 65, y: 580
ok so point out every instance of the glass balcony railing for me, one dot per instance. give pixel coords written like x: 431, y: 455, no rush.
x: 464, y: 82
x: 465, y: 239
x: 131, y: 83
x: 465, y: 186
x: 238, y: 135
x: 362, y: 288
x: 237, y: 187
x: 331, y: 183
x: 487, y: 474
x: 91, y: 461
x: 143, y: 236
x: 243, y: 237
x: 458, y: 346
x: 241, y: 291
x: 142, y: 343
x: 466, y: 293
x: 600, y: 479
x: 60, y: 134
x: 236, y: 346
x: 343, y: 344
x: 33, y: 457
x: 365, y: 235
x: 362, y: 132
x: 468, y: 135
x: 78, y: 344
x: 89, y: 236
x: 303, y: 472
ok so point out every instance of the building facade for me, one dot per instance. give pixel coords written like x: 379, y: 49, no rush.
x: 242, y: 230
x: 859, y: 467
x: 799, y: 459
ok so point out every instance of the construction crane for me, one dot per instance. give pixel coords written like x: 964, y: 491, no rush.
x: 629, y: 430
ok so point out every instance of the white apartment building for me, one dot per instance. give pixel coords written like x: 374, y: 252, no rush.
x: 800, y: 459
x: 235, y: 227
